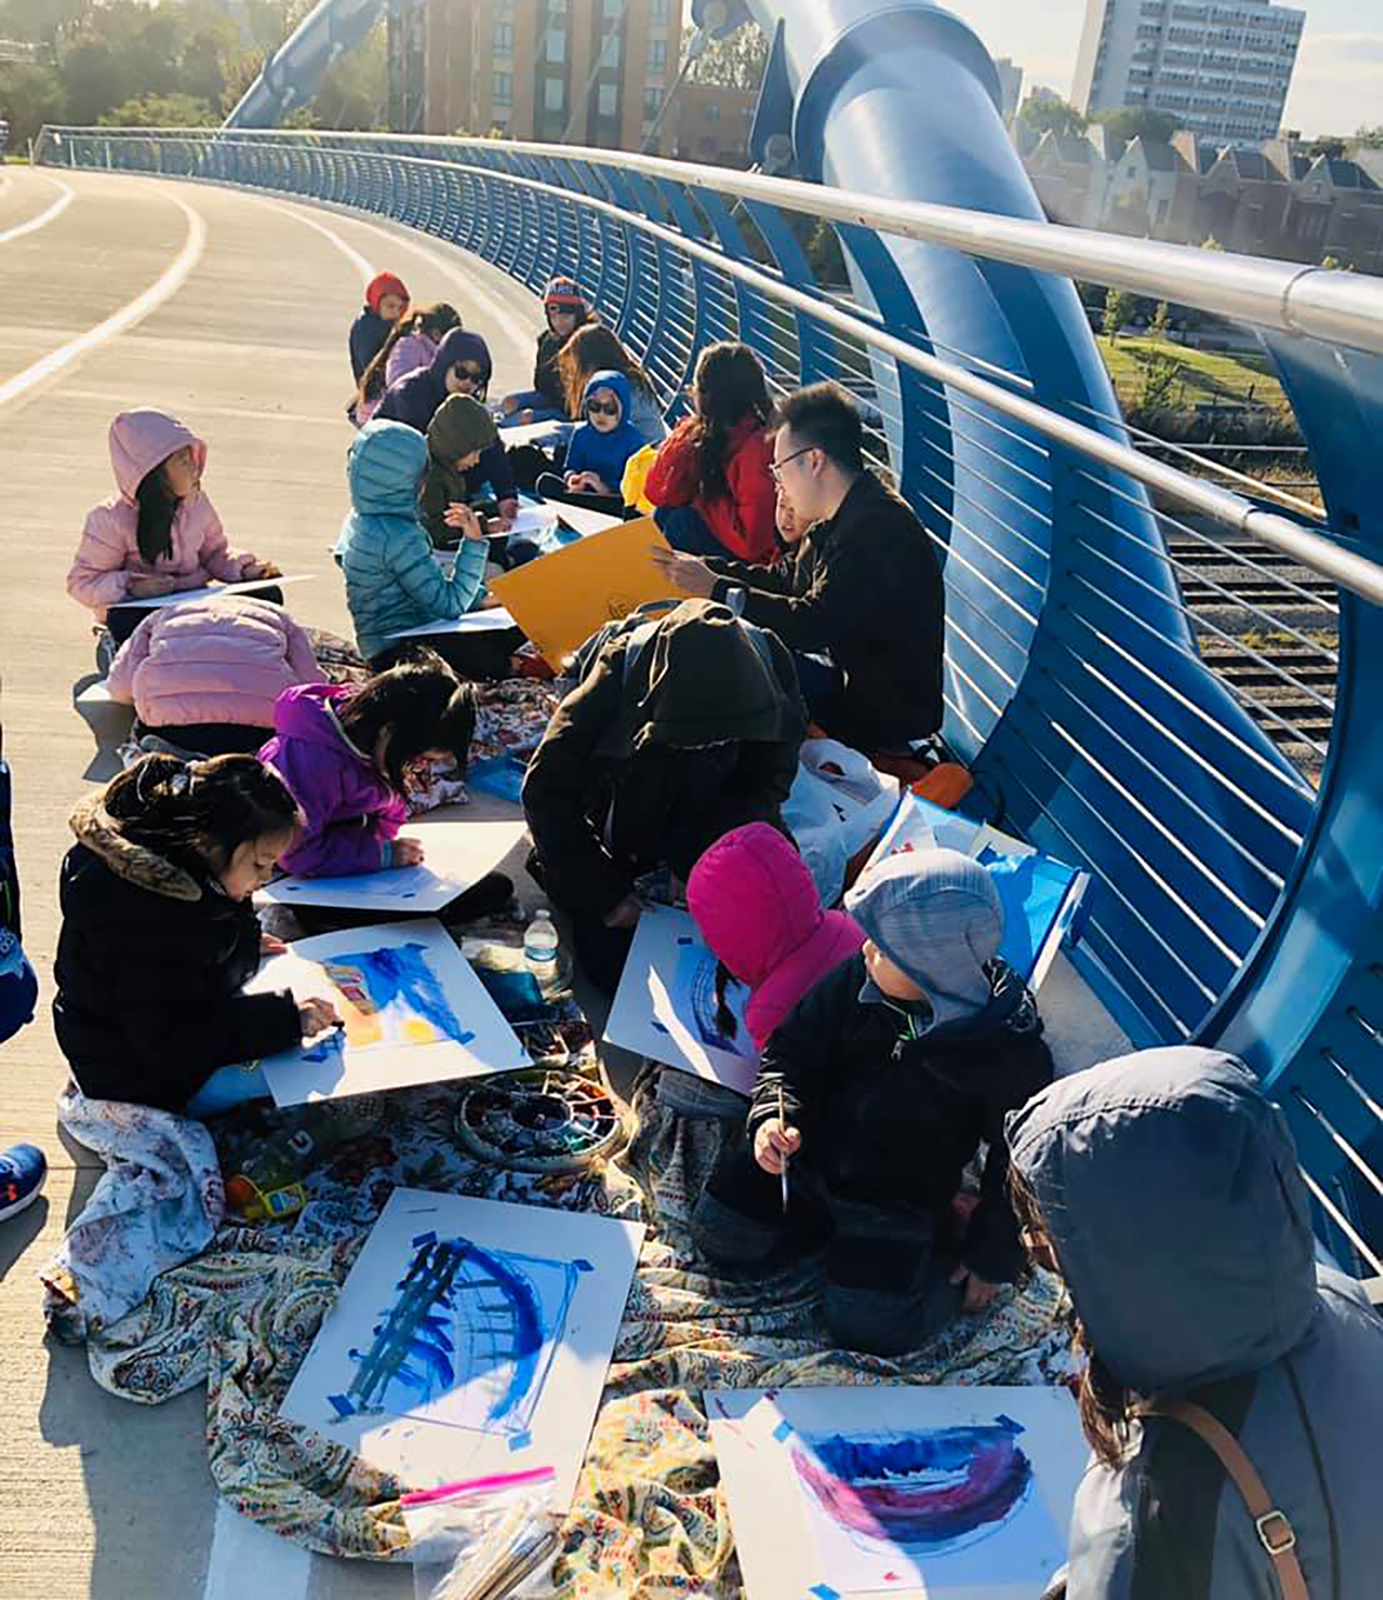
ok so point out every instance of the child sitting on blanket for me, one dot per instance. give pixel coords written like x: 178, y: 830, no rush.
x: 159, y: 533
x: 601, y: 446
x: 757, y: 908
x: 350, y: 755
x: 159, y: 936
x: 889, y: 1076
x: 393, y: 583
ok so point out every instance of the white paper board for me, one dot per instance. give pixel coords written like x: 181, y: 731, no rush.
x: 583, y: 519
x: 925, y: 1493
x: 458, y: 851
x: 665, y: 1004
x: 471, y: 1338
x: 415, y: 1013
x: 250, y: 586
x: 535, y: 432
x: 494, y: 620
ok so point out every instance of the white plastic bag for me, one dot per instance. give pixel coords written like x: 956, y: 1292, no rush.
x: 838, y: 804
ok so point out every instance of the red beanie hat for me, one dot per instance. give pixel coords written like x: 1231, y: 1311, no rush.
x: 381, y: 284
x: 564, y: 294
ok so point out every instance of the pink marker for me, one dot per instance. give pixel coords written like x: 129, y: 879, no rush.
x: 499, y: 1480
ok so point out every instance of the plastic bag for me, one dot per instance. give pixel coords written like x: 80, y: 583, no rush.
x: 480, y: 1542
x: 838, y: 804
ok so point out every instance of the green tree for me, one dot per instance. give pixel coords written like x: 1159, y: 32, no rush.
x: 1156, y: 388
x: 29, y: 97
x: 1161, y: 321
x: 1331, y: 149
x: 734, y: 62
x: 1119, y: 306
x: 163, y: 111
x: 1369, y: 138
x: 1047, y: 116
x: 1123, y: 127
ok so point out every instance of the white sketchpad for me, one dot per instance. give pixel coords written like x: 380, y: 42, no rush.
x: 98, y: 694
x: 250, y: 586
x: 494, y: 620
x: 459, y: 849
x: 471, y: 1339
x: 920, y: 1492
x: 665, y: 1005
x: 554, y: 432
x: 415, y: 1012
x: 583, y: 519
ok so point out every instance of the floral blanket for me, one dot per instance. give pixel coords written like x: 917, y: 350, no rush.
x: 157, y: 1203
x: 649, y: 1519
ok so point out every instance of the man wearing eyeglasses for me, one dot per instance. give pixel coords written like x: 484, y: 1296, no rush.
x: 858, y: 597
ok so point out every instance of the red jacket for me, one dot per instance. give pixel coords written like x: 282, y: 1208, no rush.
x: 744, y: 520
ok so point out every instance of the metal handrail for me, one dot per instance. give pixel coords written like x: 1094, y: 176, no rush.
x: 1339, y: 307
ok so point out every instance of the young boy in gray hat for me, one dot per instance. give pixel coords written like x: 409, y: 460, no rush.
x: 876, y: 1092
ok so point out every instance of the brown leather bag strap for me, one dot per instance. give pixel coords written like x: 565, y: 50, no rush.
x: 1275, y: 1532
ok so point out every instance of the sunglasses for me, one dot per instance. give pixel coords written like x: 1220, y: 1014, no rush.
x: 776, y: 467
x: 601, y: 408
x: 468, y: 374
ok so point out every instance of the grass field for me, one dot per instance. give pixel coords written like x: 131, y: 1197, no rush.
x: 1203, y: 376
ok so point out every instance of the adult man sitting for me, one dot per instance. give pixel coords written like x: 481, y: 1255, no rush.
x: 858, y: 597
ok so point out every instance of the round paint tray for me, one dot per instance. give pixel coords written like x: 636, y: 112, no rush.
x: 546, y: 1119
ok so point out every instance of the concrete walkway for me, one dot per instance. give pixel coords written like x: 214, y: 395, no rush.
x: 230, y: 310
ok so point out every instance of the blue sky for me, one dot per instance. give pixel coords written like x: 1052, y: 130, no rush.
x: 1339, y: 78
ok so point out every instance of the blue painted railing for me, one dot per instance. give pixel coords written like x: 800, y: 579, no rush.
x: 1237, y: 900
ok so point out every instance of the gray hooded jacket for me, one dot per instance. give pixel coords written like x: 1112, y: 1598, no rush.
x: 1181, y: 1225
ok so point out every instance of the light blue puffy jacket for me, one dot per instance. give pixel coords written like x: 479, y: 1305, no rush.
x: 392, y: 580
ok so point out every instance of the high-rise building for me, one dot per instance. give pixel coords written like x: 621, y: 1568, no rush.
x: 1010, y: 85
x: 1221, y: 67
x: 591, y: 72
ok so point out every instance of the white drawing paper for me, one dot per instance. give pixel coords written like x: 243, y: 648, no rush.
x: 494, y: 620
x: 458, y: 851
x: 212, y: 591
x: 471, y: 1338
x: 926, y: 1493
x: 414, y: 1013
x: 665, y: 1005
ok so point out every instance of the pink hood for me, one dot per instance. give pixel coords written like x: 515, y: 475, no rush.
x: 757, y: 908
x: 140, y: 440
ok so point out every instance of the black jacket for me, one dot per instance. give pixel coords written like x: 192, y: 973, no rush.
x: 150, y: 964
x: 547, y: 380
x: 866, y: 589
x: 891, y: 1120
x: 368, y: 333
x: 679, y: 731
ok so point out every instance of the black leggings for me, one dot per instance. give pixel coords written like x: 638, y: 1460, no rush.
x: 481, y: 657
x: 210, y: 738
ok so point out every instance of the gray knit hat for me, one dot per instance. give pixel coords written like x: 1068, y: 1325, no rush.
x: 937, y: 915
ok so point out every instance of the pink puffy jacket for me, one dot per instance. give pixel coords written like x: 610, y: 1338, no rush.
x: 108, y: 557
x: 221, y: 660
x: 757, y: 908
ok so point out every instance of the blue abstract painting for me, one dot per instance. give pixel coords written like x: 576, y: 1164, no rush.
x: 475, y: 1326
x: 694, y: 998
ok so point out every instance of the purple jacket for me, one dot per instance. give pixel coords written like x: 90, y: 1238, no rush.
x: 351, y: 814
x: 416, y: 395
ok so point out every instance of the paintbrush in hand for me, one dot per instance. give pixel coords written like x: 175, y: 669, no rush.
x: 783, y: 1125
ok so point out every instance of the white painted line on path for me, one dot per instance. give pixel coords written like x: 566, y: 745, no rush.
x: 167, y: 285
x: 246, y: 1559
x: 361, y: 265
x: 518, y: 332
x: 42, y: 220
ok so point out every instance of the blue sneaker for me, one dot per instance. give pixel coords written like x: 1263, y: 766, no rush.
x: 23, y: 1169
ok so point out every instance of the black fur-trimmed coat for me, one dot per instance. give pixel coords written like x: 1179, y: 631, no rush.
x: 151, y: 961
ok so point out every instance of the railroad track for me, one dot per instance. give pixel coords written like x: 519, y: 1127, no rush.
x: 1287, y: 684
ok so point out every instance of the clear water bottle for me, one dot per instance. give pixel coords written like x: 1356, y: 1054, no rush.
x: 542, y: 951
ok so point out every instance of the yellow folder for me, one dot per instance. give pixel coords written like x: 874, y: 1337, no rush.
x: 560, y: 600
